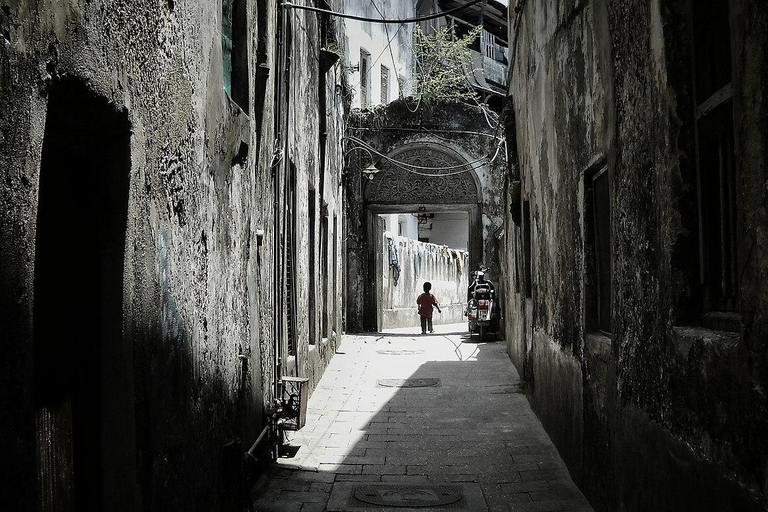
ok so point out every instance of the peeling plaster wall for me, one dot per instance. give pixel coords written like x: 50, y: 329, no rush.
x: 663, y: 414
x: 198, y: 290
x: 460, y: 127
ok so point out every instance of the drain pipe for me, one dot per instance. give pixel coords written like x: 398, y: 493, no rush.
x: 281, y: 146
x: 252, y: 450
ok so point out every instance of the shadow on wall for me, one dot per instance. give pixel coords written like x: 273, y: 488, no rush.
x: 124, y: 418
x: 82, y: 372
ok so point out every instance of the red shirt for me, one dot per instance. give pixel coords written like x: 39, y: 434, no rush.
x: 425, y: 302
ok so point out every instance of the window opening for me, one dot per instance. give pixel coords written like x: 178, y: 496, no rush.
x: 365, y: 78
x: 234, y: 50
x: 312, y: 266
x: 717, y: 173
x: 384, y: 85
x: 600, y: 240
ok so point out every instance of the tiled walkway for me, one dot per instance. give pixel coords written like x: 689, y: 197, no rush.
x: 470, y: 429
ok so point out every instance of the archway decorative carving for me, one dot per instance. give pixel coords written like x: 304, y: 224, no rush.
x: 395, y: 185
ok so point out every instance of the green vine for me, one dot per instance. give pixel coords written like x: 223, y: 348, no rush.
x: 443, y: 62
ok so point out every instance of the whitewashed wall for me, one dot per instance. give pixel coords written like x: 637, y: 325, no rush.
x: 374, y: 37
x: 445, y: 268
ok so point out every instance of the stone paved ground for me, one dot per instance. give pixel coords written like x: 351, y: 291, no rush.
x: 474, y: 428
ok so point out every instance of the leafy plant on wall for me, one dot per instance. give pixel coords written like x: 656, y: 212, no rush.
x: 443, y: 62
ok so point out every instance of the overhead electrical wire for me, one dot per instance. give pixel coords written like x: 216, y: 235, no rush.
x: 380, y: 20
x: 373, y: 63
x: 362, y: 144
x: 469, y: 166
x: 392, y: 56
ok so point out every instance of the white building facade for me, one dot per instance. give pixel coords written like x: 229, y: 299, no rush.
x: 380, y: 55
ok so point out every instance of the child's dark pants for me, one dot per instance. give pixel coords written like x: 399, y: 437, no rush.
x: 426, y: 324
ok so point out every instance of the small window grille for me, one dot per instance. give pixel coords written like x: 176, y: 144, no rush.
x: 365, y: 78
x: 384, y: 85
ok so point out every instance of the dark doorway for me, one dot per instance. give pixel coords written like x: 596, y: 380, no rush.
x: 82, y: 364
x: 324, y: 270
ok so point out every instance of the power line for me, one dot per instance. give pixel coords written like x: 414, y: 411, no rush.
x: 411, y: 168
x: 392, y: 55
x: 380, y: 20
x: 373, y: 63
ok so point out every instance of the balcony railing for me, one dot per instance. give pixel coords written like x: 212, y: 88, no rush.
x: 495, y: 71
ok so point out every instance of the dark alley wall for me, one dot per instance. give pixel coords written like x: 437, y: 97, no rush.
x: 648, y: 378
x: 459, y: 129
x: 184, y: 325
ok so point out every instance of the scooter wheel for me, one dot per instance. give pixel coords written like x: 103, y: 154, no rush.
x: 483, y: 332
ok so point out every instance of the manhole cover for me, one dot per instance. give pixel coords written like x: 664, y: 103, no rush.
x: 408, y: 495
x: 405, y: 352
x: 407, y: 383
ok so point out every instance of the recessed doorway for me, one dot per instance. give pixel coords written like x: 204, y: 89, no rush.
x: 82, y: 365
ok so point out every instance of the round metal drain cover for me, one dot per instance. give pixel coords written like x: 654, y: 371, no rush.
x: 408, y: 383
x: 408, y: 495
x: 405, y: 352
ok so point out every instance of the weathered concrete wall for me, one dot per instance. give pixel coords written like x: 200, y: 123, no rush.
x: 193, y: 370
x: 444, y: 268
x: 663, y: 413
x: 318, y: 175
x: 460, y: 128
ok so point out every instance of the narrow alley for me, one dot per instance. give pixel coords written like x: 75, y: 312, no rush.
x: 411, y: 417
x: 228, y: 229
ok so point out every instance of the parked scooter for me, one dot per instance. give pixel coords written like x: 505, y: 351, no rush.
x: 482, y: 309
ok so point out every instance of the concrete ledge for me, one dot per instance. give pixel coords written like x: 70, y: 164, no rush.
x: 597, y: 344
x: 409, y: 317
x: 716, y: 341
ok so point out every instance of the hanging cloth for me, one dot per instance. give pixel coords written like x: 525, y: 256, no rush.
x: 417, y: 255
x: 393, y: 263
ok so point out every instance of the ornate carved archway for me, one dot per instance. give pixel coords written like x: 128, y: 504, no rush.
x: 454, y: 183
x: 443, y: 181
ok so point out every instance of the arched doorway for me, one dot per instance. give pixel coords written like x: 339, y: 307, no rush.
x: 418, y: 177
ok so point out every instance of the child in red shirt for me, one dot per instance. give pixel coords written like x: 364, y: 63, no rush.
x: 425, y: 302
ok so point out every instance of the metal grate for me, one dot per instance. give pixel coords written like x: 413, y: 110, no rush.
x: 408, y: 495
